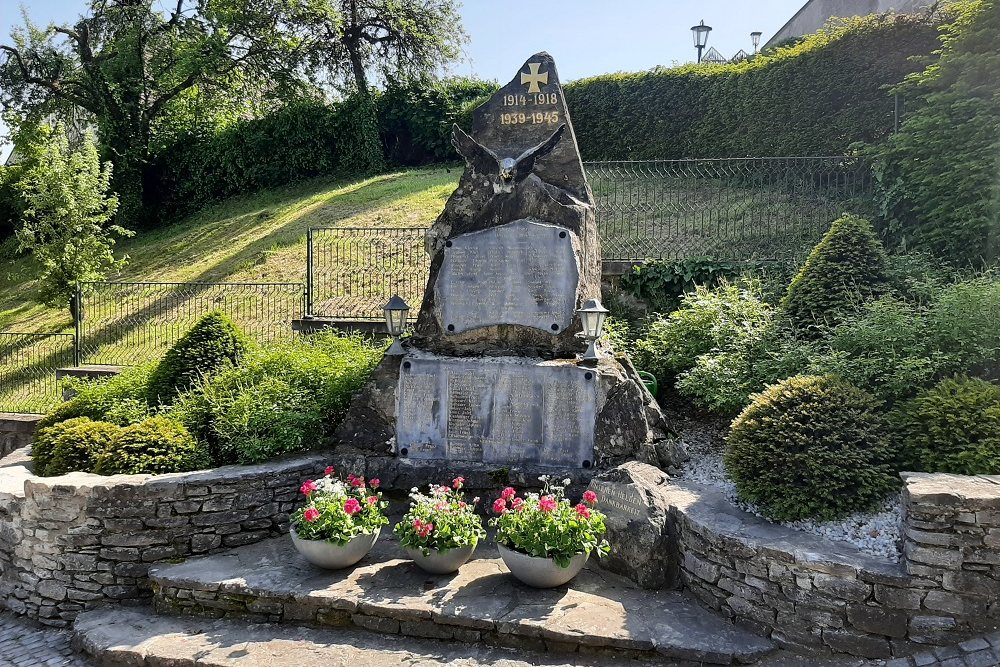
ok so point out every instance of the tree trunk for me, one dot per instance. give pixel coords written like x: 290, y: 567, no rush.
x: 352, y: 40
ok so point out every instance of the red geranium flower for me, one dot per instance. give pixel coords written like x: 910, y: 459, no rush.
x: 329, y: 471
x: 352, y: 506
x: 499, y: 506
x: 582, y: 510
x: 589, y: 497
x: 311, y: 514
x: 307, y: 487
x: 508, y: 493
x: 547, y: 503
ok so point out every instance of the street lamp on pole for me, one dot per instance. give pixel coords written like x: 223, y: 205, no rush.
x: 700, y: 33
x: 755, y: 38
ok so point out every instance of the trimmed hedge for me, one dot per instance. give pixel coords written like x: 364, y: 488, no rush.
x: 154, y: 446
x: 845, y: 268
x: 952, y: 427
x: 72, y: 445
x: 815, y: 97
x: 211, y: 343
x: 810, y: 447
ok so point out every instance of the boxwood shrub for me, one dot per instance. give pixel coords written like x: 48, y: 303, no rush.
x: 810, y: 447
x: 157, y: 445
x: 70, y: 445
x: 210, y: 344
x: 952, y: 427
x: 120, y: 399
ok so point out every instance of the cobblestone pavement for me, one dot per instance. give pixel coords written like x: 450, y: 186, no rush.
x: 981, y: 652
x: 26, y: 644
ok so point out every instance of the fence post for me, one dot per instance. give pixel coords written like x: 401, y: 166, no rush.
x: 77, y: 325
x: 309, y: 274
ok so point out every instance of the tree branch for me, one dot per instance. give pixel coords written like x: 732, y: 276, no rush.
x: 54, y: 87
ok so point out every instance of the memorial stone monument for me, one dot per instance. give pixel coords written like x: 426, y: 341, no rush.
x: 492, y: 378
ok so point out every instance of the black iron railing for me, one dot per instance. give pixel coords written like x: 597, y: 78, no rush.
x: 352, y: 272
x: 28, y: 363
x: 125, y: 324
x: 735, y: 209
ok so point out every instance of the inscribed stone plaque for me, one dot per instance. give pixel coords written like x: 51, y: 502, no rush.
x: 620, y: 502
x: 507, y: 412
x: 520, y: 273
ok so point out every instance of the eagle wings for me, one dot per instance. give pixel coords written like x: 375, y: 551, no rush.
x: 508, y: 171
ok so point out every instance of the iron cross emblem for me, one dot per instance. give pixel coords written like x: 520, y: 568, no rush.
x: 534, y: 77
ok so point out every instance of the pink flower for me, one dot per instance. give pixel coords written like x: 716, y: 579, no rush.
x: 547, y: 503
x: 329, y: 471
x: 499, y: 506
x: 417, y: 523
x: 352, y: 506
x: 442, y: 489
x: 582, y: 510
x: 307, y: 487
x: 508, y: 493
x: 374, y: 483
x: 517, y: 503
x: 371, y: 500
x: 358, y: 482
x: 462, y: 504
x: 311, y: 514
x: 457, y: 483
x: 589, y: 497
x: 425, y: 529
x: 441, y: 506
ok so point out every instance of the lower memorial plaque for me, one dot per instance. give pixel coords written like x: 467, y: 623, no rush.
x: 508, y: 412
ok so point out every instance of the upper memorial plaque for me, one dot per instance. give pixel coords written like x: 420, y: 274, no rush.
x: 520, y: 273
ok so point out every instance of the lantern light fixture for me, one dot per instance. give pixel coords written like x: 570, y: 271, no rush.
x: 593, y: 315
x: 395, y: 321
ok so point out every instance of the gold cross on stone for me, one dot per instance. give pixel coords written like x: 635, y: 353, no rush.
x: 534, y: 77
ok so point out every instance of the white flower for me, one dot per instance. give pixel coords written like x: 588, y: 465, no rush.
x: 567, y: 481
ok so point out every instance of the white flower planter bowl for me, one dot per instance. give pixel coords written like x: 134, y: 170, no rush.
x: 330, y: 556
x: 541, y: 572
x: 441, y: 562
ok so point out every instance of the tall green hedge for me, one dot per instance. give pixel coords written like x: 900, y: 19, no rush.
x: 938, y: 175
x: 815, y: 97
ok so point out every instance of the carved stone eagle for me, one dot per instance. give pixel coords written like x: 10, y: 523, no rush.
x: 508, y: 171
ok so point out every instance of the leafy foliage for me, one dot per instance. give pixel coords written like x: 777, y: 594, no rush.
x: 153, y: 446
x: 810, y: 447
x: 662, y: 284
x: 547, y: 525
x: 338, y: 512
x: 952, y: 427
x: 66, y: 223
x: 708, y: 319
x: 120, y: 399
x: 440, y: 520
x: 845, y: 268
x: 280, y: 399
x: 838, y: 74
x: 71, y: 445
x: 210, y: 344
x: 937, y: 175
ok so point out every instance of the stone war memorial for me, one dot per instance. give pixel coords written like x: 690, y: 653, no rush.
x: 493, y: 380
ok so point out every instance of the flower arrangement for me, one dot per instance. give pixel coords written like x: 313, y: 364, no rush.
x: 338, y: 511
x: 547, y: 525
x: 440, y: 520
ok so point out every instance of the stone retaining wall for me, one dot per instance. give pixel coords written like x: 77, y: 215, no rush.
x: 809, y: 593
x: 74, y: 542
x: 16, y: 431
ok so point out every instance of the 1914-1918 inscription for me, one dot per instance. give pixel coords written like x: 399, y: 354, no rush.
x: 496, y: 411
x: 522, y: 273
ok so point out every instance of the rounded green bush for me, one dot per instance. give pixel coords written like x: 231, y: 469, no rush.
x: 210, y: 344
x: 847, y: 267
x: 810, y: 447
x: 70, y: 445
x: 156, y: 445
x: 952, y: 427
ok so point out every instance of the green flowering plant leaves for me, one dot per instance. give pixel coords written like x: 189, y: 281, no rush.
x: 338, y: 511
x: 440, y: 520
x: 547, y: 525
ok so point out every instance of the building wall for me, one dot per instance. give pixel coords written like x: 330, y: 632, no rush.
x: 815, y: 13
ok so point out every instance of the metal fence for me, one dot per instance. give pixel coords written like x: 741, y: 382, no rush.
x: 352, y: 272
x: 28, y: 363
x: 736, y: 209
x: 124, y: 324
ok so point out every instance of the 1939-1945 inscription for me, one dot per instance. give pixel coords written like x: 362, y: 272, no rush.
x: 522, y: 273
x: 496, y: 411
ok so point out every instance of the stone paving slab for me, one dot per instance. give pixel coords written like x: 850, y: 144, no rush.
x: 27, y: 644
x: 386, y: 592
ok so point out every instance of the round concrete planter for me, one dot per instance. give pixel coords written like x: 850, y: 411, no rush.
x: 541, y: 572
x: 335, y: 556
x: 441, y: 562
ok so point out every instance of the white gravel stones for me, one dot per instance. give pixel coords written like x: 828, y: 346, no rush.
x: 876, y: 532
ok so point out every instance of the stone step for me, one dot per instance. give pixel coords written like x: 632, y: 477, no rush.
x: 483, y: 603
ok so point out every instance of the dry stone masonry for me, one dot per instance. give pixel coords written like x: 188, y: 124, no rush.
x: 16, y: 431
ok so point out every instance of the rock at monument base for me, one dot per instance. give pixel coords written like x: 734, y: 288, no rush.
x: 637, y: 525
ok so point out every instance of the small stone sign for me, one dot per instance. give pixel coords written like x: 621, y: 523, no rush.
x: 507, y: 412
x: 621, y: 503
x: 520, y: 273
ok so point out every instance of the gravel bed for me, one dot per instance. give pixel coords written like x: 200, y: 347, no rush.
x: 876, y: 533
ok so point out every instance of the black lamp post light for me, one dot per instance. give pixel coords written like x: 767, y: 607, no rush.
x: 395, y: 321
x: 700, y: 34
x: 755, y: 38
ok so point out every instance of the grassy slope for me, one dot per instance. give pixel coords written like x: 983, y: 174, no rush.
x: 259, y: 238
